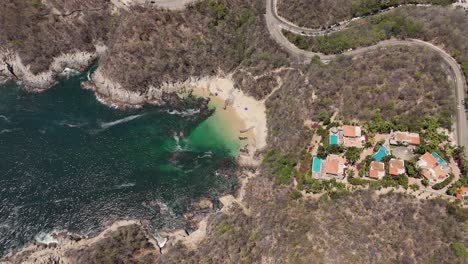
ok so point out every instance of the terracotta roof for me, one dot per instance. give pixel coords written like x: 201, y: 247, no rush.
x: 334, y: 164
x: 436, y: 173
x: 440, y: 174
x: 429, y: 160
x: 426, y: 174
x: 411, y: 138
x: 397, y: 167
x: 376, y: 170
x: 414, y: 139
x: 351, y: 131
x: 462, y: 191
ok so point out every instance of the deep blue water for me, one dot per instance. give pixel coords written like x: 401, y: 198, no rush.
x: 68, y: 162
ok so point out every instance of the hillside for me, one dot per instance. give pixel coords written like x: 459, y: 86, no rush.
x: 142, y: 49
x: 326, y: 13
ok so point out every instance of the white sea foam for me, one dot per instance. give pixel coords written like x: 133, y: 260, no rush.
x: 7, y: 131
x: 188, y: 112
x: 4, y: 118
x: 125, y: 185
x: 179, y: 147
x: 207, y: 154
x: 45, y: 238
x: 65, y: 123
x: 68, y: 72
x: 106, y: 125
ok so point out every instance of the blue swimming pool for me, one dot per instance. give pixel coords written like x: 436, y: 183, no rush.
x: 317, y: 164
x: 333, y: 139
x: 382, y: 153
x: 441, y: 161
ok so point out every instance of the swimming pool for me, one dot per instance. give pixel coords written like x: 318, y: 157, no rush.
x: 333, y: 139
x: 382, y: 153
x: 440, y: 160
x: 317, y: 164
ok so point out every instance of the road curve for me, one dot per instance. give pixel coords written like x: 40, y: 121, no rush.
x: 289, y: 26
x: 275, y: 24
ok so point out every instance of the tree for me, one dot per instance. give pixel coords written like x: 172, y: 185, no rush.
x: 412, y: 170
x: 352, y: 154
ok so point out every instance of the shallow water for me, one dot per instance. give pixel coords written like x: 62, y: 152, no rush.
x: 68, y: 162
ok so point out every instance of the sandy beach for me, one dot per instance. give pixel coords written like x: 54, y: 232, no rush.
x: 244, y: 115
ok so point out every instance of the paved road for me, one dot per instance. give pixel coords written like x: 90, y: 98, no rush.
x: 275, y: 24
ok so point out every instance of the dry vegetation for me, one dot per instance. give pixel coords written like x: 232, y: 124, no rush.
x: 355, y: 228
x: 210, y: 37
x: 445, y: 27
x: 325, y: 13
x: 405, y: 84
x: 39, y: 34
x: 148, y: 47
x: 126, y: 245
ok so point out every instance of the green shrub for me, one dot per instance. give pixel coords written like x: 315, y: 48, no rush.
x: 459, y: 250
x: 295, y: 194
x: 282, y: 167
x: 443, y: 184
x: 352, y: 154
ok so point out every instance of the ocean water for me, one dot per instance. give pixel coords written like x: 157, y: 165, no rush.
x: 67, y: 162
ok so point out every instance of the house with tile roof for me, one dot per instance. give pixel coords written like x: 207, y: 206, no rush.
x: 433, y: 169
x: 352, y: 136
x: 376, y: 170
x: 462, y: 193
x: 335, y: 166
x: 396, y: 167
x: 404, y: 138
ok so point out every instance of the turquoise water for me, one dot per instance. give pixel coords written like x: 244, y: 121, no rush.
x: 68, y: 162
x: 333, y: 139
x: 382, y: 153
x: 317, y: 164
x: 440, y: 160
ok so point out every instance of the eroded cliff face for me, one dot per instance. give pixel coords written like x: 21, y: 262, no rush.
x: 142, y: 52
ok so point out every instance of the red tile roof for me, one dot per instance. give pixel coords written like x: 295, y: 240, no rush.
x: 429, y: 159
x: 351, y: 131
x: 411, y: 138
x: 334, y: 164
x: 376, y: 170
x: 396, y: 167
x: 462, y: 191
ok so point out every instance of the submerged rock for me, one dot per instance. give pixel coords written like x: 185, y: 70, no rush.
x: 204, y: 203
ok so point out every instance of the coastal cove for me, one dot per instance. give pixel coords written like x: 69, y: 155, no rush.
x: 70, y: 163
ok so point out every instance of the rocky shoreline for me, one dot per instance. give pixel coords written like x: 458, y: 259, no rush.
x: 12, y: 68
x: 114, y: 95
x: 61, y: 244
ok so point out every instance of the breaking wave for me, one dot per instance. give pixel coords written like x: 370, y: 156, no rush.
x: 125, y: 185
x: 71, y: 125
x: 189, y: 112
x: 7, y: 131
x: 4, y: 118
x: 45, y: 238
x: 107, y: 125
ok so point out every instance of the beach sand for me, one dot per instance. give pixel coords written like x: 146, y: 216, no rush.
x: 243, y: 114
